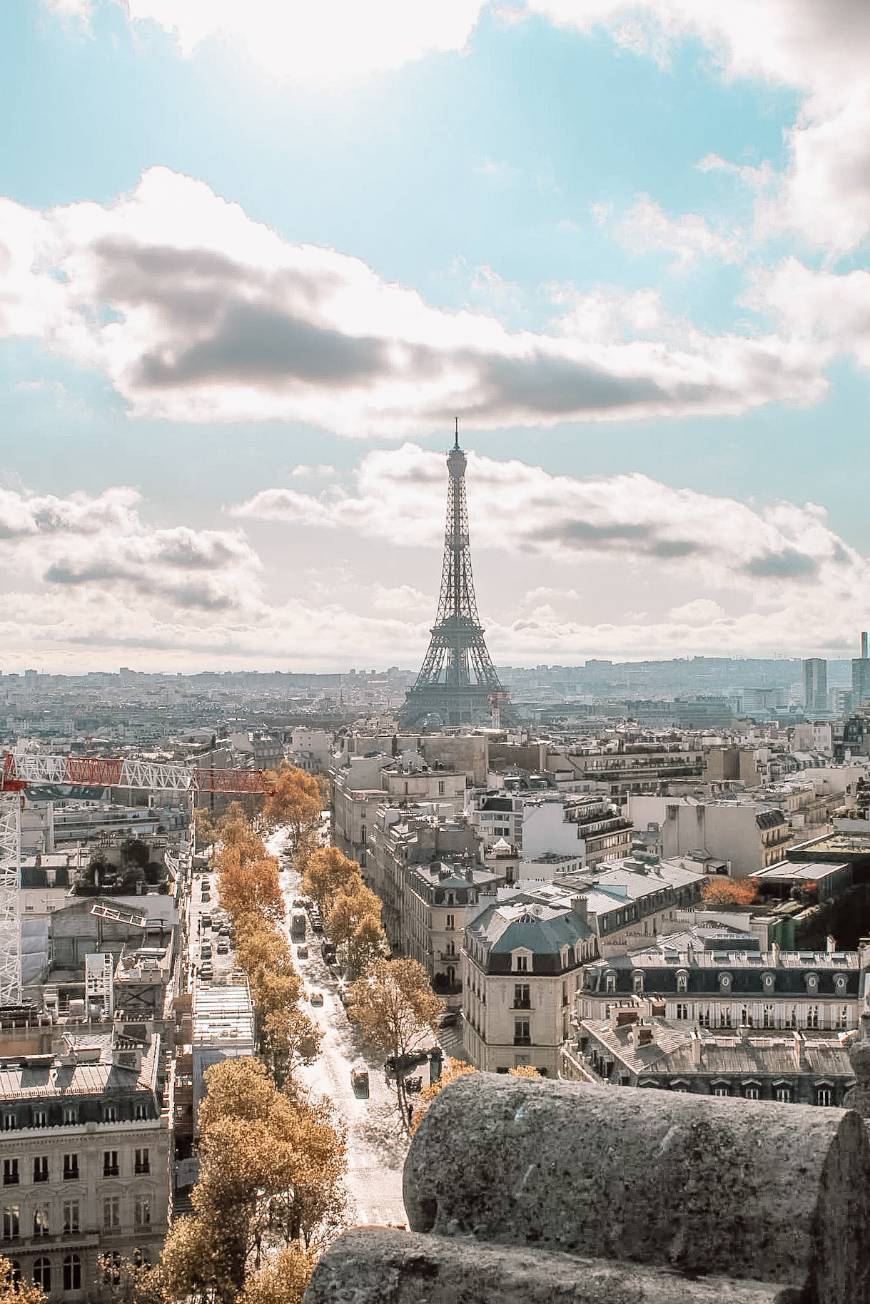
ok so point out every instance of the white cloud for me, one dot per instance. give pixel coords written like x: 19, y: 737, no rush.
x: 822, y: 49
x: 402, y: 600
x: 822, y: 308
x: 327, y: 43
x: 700, y: 611
x: 646, y: 227
x: 320, y: 471
x: 197, y: 313
x: 399, y: 495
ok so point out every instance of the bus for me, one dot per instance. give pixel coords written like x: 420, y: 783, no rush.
x: 298, y: 927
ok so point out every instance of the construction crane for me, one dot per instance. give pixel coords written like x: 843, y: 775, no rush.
x: 22, y: 770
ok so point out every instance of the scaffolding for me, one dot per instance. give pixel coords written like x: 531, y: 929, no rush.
x: 10, y: 883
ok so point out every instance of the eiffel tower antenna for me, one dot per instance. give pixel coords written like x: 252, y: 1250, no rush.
x: 457, y: 682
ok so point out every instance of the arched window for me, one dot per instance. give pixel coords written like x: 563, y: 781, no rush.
x: 840, y: 983
x: 725, y: 982
x: 72, y: 1272
x: 812, y: 982
x: 42, y: 1274
x: 682, y: 980
x: 112, y: 1267
x: 14, y: 1271
x: 610, y: 982
x: 768, y: 981
x: 637, y: 980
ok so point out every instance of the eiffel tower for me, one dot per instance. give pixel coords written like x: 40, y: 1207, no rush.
x: 457, y: 682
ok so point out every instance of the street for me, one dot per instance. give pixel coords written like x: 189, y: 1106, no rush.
x: 375, y: 1148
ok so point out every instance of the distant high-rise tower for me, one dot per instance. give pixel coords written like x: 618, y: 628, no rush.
x: 457, y: 682
x: 865, y: 645
x: 861, y: 674
x: 815, y: 684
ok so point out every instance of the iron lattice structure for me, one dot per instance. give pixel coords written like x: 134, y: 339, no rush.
x: 457, y: 681
x: 10, y: 875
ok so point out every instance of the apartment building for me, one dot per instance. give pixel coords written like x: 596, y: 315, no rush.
x: 621, y: 767
x: 436, y: 903
x: 85, y: 1153
x: 362, y: 783
x: 634, y: 1048
x: 718, y: 976
x: 544, y: 823
x: 745, y: 832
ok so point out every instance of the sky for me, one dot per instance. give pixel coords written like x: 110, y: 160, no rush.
x: 254, y: 257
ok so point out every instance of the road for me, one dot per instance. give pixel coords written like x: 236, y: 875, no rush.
x: 376, y: 1150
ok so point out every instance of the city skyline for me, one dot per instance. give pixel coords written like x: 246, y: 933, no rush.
x: 251, y: 264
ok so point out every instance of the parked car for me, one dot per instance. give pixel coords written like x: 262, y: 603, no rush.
x: 401, y: 1063
x: 205, y: 951
x: 317, y: 998
x: 413, y: 1085
x: 206, y: 921
x: 223, y: 948
x: 206, y: 971
x: 302, y: 952
x: 447, y: 1018
x: 298, y: 903
x: 359, y: 1077
x: 317, y: 923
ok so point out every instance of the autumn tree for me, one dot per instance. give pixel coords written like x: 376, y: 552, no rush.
x: 14, y: 1289
x: 247, y: 886
x: 395, y: 1008
x: 283, y: 1280
x: 294, y: 798
x: 327, y: 874
x: 205, y: 829
x: 354, y: 925
x: 271, y: 1168
x: 721, y: 893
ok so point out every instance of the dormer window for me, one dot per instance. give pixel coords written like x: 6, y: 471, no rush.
x: 564, y: 957
x: 812, y: 982
x: 521, y: 962
x: 840, y: 984
x: 682, y: 980
x: 724, y: 982
x: 610, y: 982
x: 768, y: 981
x: 637, y: 981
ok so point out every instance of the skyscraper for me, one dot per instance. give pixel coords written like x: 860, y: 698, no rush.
x: 861, y: 675
x: 457, y: 683
x: 815, y: 684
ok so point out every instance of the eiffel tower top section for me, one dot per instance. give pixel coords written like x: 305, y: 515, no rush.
x: 457, y: 682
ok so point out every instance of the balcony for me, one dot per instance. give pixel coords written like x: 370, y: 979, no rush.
x: 111, y: 1170
x: 522, y: 1041
x: 521, y: 1005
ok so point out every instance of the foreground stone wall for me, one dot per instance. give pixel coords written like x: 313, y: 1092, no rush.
x: 529, y: 1190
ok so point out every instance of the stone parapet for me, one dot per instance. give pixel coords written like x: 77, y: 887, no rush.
x: 529, y: 1189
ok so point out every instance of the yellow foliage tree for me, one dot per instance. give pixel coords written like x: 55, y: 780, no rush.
x: 354, y: 925
x: 327, y: 874
x: 293, y: 798
x: 206, y: 831
x: 14, y: 1290
x: 722, y: 893
x: 282, y: 1281
x: 395, y: 1008
x: 249, y: 886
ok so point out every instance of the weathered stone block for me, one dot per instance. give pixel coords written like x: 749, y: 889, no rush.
x: 373, y: 1265
x: 701, y: 1185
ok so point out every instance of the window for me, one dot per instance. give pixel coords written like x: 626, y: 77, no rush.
x: 112, y: 1266
x: 824, y: 1096
x: 142, y: 1161
x: 521, y: 963
x: 782, y: 1093
x: 768, y: 1017
x: 637, y: 983
x: 11, y: 1222
x: 751, y: 1092
x: 41, y: 1220
x: 792, y: 1017
x: 40, y: 1168
x: 42, y: 1274
x: 15, y: 1271
x: 843, y: 1017
x: 70, y: 1114
x: 70, y: 1216
x: 522, y: 997
x: 10, y: 1122
x: 142, y: 1211
x: 721, y: 1089
x: 440, y: 787
x: 140, y: 1110
x: 725, y: 1016
x: 704, y: 1016
x: 682, y: 1010
x: 70, y: 1167
x: 40, y: 1118
x: 110, y: 1163
x: 610, y: 982
x: 812, y: 1016
x: 522, y: 1035
x: 110, y: 1113
x: 745, y: 1017
x: 72, y: 1272
x: 111, y: 1211
x: 10, y: 1172
x: 451, y: 922
x: 682, y: 981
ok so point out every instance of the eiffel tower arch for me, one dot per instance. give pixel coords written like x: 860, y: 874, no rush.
x: 457, y: 683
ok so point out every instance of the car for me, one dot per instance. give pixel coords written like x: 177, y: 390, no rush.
x: 302, y: 952
x: 206, y: 971
x: 205, y: 950
x: 317, y: 924
x: 298, y: 903
x: 359, y: 1077
x: 206, y: 921
x: 344, y: 995
x: 223, y: 948
x: 317, y: 998
x: 447, y: 1018
x: 401, y: 1063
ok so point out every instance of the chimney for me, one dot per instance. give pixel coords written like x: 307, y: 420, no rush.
x: 696, y: 1048
x: 580, y: 908
x: 774, y: 951
x: 623, y: 1017
x: 800, y: 1056
x: 830, y: 944
x: 643, y: 1035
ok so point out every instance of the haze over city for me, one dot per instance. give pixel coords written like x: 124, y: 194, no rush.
x: 254, y: 260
